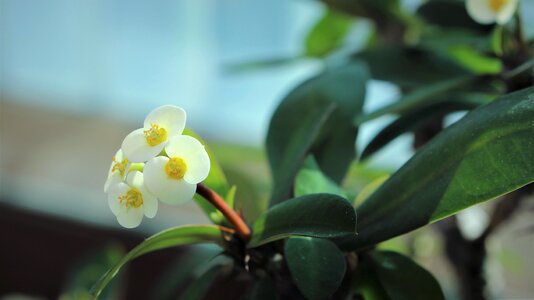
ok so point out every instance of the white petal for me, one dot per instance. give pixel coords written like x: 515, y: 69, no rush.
x: 137, y: 149
x: 119, y: 156
x: 114, y: 192
x: 504, y: 15
x: 109, y: 181
x: 480, y: 11
x: 114, y: 178
x: 194, y: 155
x: 135, y: 179
x: 167, y: 189
x: 131, y: 217
x: 150, y: 202
x: 170, y: 117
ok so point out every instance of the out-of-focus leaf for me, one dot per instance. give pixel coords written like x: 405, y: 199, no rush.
x: 216, y: 181
x: 414, y: 119
x: 379, y: 10
x: 230, y: 196
x: 328, y: 34
x: 200, y: 286
x: 180, y: 271
x: 316, y: 265
x: 486, y: 154
x: 395, y: 276
x: 310, y: 180
x: 474, y: 61
x: 316, y: 215
x: 316, y: 117
x: 410, y: 67
x: 263, y: 289
x: 182, y: 235
x: 450, y: 14
x: 440, y: 40
x: 424, y: 96
x: 259, y: 65
x: 88, y: 270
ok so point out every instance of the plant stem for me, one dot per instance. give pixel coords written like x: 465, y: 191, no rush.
x: 240, y: 226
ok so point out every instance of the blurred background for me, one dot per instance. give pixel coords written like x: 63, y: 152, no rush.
x: 77, y: 76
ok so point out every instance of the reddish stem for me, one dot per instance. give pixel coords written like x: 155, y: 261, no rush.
x: 240, y: 226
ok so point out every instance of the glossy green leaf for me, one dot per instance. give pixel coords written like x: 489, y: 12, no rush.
x: 416, y: 118
x: 200, y: 286
x: 182, y: 235
x: 216, y: 181
x: 486, y: 154
x: 316, y: 118
x: 386, y: 275
x: 328, y: 34
x: 421, y: 97
x: 316, y: 265
x: 369, y: 189
x: 410, y: 67
x: 310, y: 180
x: 316, y: 215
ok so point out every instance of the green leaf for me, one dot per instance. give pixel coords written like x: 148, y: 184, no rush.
x: 475, y: 61
x: 182, y: 235
x: 426, y: 95
x: 316, y: 118
x: 365, y: 282
x: 410, y: 67
x: 328, y: 34
x: 316, y: 215
x: 316, y: 265
x: 388, y: 275
x: 263, y: 289
x: 310, y: 180
x: 180, y: 271
x: 216, y: 181
x: 418, y: 117
x: 486, y: 154
x: 392, y: 269
x: 369, y: 189
x: 200, y: 286
x: 88, y: 269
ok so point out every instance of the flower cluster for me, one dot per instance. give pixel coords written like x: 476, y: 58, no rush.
x: 155, y: 162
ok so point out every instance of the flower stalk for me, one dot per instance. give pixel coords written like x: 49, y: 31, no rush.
x: 241, y: 228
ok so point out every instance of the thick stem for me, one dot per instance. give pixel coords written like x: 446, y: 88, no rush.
x: 241, y: 228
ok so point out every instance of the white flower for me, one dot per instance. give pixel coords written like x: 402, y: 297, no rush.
x: 160, y: 125
x: 117, y: 170
x: 130, y: 200
x: 173, y: 179
x: 491, y: 11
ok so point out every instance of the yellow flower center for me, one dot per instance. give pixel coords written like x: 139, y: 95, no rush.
x: 119, y: 165
x: 155, y: 135
x: 496, y: 5
x: 176, y: 168
x: 133, y: 198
